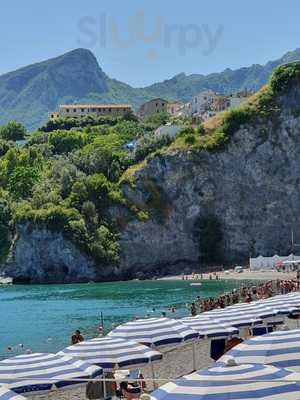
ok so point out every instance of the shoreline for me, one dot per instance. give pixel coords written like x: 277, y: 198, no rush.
x: 222, y: 275
x: 231, y: 275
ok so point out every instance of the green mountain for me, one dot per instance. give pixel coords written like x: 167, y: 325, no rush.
x: 29, y: 93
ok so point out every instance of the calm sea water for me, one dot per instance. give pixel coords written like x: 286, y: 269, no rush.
x: 42, y: 317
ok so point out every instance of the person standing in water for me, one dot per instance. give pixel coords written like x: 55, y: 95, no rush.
x: 77, y: 337
x: 193, y: 309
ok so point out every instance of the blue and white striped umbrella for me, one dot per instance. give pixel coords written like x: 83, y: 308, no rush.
x: 6, y: 394
x: 39, y: 372
x: 281, y: 348
x: 234, y: 318
x: 281, y: 305
x: 155, y: 332
x: 293, y: 299
x: 110, y: 353
x: 209, y: 328
x: 223, y: 382
x: 260, y: 310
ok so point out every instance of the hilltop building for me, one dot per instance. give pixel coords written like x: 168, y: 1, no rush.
x: 207, y: 104
x: 220, y: 103
x: 174, y: 108
x: 81, y: 110
x: 236, y: 100
x: 201, y: 102
x: 152, y: 107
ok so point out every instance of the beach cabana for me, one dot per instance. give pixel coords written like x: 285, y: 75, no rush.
x: 6, y: 394
x: 155, y: 332
x: 113, y: 353
x: 281, y: 349
x: 224, y: 382
x: 42, y: 372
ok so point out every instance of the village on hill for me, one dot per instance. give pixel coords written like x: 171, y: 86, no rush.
x: 202, y: 107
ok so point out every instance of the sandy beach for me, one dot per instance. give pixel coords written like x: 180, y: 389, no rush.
x: 245, y: 275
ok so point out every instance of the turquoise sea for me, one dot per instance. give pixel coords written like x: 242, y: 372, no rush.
x: 42, y: 317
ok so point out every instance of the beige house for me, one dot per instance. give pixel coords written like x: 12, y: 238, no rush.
x: 174, y: 108
x: 152, y: 107
x: 81, y: 110
x: 54, y: 115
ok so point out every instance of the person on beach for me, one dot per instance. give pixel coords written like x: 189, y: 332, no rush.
x: 130, y: 392
x: 193, y: 310
x: 77, y: 337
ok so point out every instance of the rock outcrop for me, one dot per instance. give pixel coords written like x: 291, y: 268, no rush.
x: 253, y: 188
x: 39, y: 255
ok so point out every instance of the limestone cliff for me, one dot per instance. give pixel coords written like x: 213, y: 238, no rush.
x: 252, y: 186
x: 41, y: 256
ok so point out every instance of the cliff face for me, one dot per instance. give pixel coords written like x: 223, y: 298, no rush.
x: 39, y: 255
x: 252, y: 187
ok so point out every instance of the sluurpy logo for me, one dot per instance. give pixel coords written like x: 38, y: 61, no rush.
x: 106, y: 31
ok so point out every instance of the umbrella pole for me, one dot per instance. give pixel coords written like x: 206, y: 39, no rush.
x: 194, y: 356
x: 104, y: 387
x: 153, y: 375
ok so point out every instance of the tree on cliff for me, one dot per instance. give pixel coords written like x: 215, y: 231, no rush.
x: 12, y: 131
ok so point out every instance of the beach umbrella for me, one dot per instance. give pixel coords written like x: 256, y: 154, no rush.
x: 6, y: 394
x: 260, y: 310
x: 111, y: 353
x: 281, y: 305
x: 40, y: 372
x: 293, y: 299
x: 209, y: 328
x: 155, y: 332
x: 237, y: 319
x: 233, y: 382
x: 268, y: 314
x: 281, y: 349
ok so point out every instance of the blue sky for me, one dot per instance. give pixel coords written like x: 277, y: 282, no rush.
x: 141, y: 42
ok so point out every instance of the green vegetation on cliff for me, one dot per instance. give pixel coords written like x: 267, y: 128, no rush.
x: 264, y: 106
x: 66, y: 178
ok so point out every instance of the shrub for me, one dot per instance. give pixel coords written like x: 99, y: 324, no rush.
x: 105, y: 248
x: 283, y: 76
x: 21, y: 181
x: 149, y: 144
x: 190, y: 139
x: 66, y: 141
x: 12, y: 131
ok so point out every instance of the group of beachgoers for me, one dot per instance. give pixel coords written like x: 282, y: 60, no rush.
x: 132, y: 386
x: 245, y: 294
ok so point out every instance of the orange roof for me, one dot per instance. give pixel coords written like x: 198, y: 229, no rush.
x: 95, y: 106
